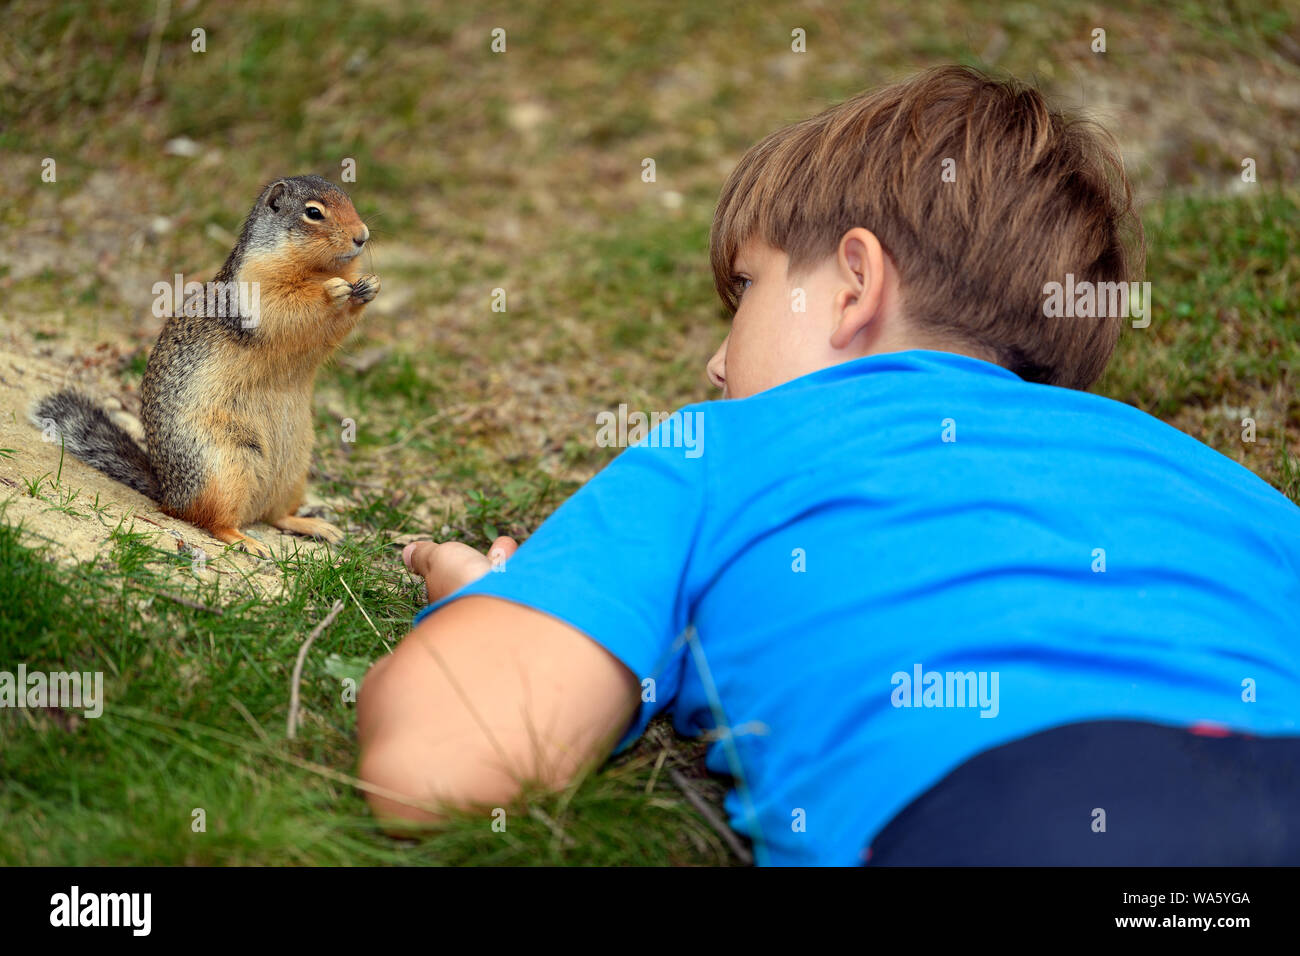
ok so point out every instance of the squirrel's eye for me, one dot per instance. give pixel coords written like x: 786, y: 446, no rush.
x: 314, y: 213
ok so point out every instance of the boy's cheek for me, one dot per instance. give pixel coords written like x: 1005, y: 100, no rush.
x: 750, y: 371
x: 768, y: 346
x: 737, y: 371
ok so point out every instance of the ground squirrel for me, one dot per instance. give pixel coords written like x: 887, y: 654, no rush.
x: 226, y: 397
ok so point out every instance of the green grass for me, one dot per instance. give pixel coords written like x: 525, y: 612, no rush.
x: 1224, y: 284
x: 196, y: 704
x: 518, y: 171
x: 1223, y: 335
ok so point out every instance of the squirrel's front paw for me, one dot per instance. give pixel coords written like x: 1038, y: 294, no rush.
x: 365, y: 288
x: 339, y: 290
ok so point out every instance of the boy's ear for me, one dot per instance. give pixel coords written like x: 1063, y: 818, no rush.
x: 861, y: 262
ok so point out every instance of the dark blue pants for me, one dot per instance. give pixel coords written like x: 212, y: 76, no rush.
x: 1172, y: 796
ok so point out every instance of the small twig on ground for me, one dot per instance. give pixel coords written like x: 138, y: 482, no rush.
x: 654, y: 774
x: 297, y: 667
x: 140, y: 517
x: 709, y: 814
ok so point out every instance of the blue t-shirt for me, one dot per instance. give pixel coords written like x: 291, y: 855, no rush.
x: 870, y: 574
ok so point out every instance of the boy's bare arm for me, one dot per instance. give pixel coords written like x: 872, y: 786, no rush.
x: 483, y: 696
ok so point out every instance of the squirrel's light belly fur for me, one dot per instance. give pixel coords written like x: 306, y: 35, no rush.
x: 227, y: 398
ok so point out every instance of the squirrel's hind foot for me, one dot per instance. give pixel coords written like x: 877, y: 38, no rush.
x: 242, y: 541
x: 313, y: 527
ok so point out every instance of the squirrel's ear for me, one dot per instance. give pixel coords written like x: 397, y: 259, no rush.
x: 275, y: 195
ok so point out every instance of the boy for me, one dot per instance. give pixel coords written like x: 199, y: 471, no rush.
x: 937, y: 603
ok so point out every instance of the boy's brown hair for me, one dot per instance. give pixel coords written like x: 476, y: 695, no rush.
x: 1037, y: 194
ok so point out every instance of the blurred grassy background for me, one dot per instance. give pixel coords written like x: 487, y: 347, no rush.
x: 522, y: 171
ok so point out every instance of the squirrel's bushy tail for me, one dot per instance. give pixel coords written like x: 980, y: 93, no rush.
x: 88, y: 433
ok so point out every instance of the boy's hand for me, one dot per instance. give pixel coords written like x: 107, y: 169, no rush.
x: 448, y: 567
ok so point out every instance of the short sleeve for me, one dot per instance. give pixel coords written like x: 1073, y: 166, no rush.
x: 613, y: 562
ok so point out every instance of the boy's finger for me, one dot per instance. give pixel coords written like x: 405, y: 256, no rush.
x: 502, y: 548
x: 419, y: 556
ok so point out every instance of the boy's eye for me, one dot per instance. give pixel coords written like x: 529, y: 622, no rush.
x: 741, y: 283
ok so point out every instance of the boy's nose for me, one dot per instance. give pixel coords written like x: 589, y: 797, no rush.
x: 717, y: 367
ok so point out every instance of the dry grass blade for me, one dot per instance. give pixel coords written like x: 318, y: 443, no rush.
x: 711, y: 815
x: 297, y: 667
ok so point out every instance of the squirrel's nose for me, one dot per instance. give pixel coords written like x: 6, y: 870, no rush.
x: 361, y: 239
